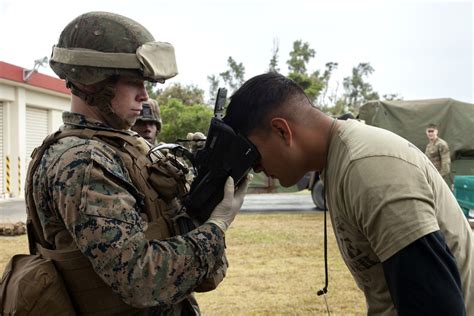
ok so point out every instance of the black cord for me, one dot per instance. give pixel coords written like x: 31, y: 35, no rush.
x: 324, y: 290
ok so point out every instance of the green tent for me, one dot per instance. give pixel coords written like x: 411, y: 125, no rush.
x: 409, y: 119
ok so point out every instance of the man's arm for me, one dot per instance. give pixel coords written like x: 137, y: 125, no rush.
x: 423, y: 278
x: 445, y: 159
x: 95, y: 202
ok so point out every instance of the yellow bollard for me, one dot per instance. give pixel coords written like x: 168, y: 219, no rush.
x: 7, y: 167
x: 19, y: 176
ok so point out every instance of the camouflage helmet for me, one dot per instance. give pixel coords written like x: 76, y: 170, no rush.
x: 151, y: 112
x: 98, y: 45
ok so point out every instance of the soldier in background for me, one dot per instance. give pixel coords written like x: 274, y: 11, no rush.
x: 437, y: 151
x: 148, y: 124
x: 99, y: 205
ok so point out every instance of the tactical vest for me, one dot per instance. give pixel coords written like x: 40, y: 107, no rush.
x: 158, y: 183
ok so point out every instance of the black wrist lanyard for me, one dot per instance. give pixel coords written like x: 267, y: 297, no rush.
x: 324, y: 290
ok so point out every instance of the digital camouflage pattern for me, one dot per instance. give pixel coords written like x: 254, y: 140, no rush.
x: 438, y: 152
x: 84, y: 198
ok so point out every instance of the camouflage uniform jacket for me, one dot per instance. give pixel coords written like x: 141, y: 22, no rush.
x: 83, y: 196
x: 438, y: 152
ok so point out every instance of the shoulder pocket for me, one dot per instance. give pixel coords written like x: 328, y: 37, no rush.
x: 111, y: 163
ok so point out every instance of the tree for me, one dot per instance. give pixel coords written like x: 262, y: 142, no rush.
x: 330, y: 67
x: 182, y: 111
x: 299, y: 57
x: 273, y: 66
x: 180, y: 119
x: 392, y: 97
x: 357, y: 90
x: 234, y: 76
x: 213, y: 87
x: 313, y: 83
x: 151, y: 89
x: 188, y: 95
x: 338, y: 108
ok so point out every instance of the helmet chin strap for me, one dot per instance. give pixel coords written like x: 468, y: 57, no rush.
x: 102, y: 99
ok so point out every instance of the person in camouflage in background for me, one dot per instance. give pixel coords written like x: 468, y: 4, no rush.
x: 148, y: 124
x: 103, y: 207
x: 437, y: 151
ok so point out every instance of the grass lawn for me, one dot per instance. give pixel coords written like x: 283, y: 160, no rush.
x: 276, y: 268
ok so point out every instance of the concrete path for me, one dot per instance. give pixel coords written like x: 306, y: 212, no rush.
x: 14, y: 210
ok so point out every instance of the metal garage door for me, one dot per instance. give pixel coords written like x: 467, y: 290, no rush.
x: 36, y: 129
x: 2, y: 159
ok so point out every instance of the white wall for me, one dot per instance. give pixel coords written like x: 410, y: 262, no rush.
x: 16, y: 97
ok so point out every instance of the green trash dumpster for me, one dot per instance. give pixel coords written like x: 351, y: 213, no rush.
x: 464, y: 193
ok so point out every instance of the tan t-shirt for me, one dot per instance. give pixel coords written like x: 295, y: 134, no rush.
x: 383, y: 194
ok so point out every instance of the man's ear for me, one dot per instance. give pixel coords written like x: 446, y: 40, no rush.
x: 282, y: 128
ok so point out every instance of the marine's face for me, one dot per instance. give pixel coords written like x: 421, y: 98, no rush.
x: 277, y: 159
x: 432, y: 133
x: 129, y: 94
x: 146, y: 129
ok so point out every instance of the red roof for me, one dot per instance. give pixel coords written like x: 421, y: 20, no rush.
x: 15, y: 73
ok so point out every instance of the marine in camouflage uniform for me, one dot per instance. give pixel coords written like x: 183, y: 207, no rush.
x: 149, y: 122
x: 84, y: 187
x: 148, y: 126
x: 437, y: 151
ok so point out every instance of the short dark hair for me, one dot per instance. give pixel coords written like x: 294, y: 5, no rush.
x: 432, y: 125
x: 257, y: 98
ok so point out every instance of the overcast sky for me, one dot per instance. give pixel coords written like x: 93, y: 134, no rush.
x: 419, y: 49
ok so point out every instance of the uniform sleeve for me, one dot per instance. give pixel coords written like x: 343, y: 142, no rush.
x: 445, y: 159
x: 92, y: 191
x: 390, y: 203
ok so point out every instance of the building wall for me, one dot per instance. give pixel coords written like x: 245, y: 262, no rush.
x: 30, y: 110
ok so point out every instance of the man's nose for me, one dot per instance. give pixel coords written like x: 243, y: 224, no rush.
x: 143, y: 94
x: 257, y: 168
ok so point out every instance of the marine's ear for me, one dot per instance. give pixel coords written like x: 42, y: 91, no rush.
x: 282, y: 128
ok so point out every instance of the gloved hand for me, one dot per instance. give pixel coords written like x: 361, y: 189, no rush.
x: 227, y: 209
x: 197, y: 140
